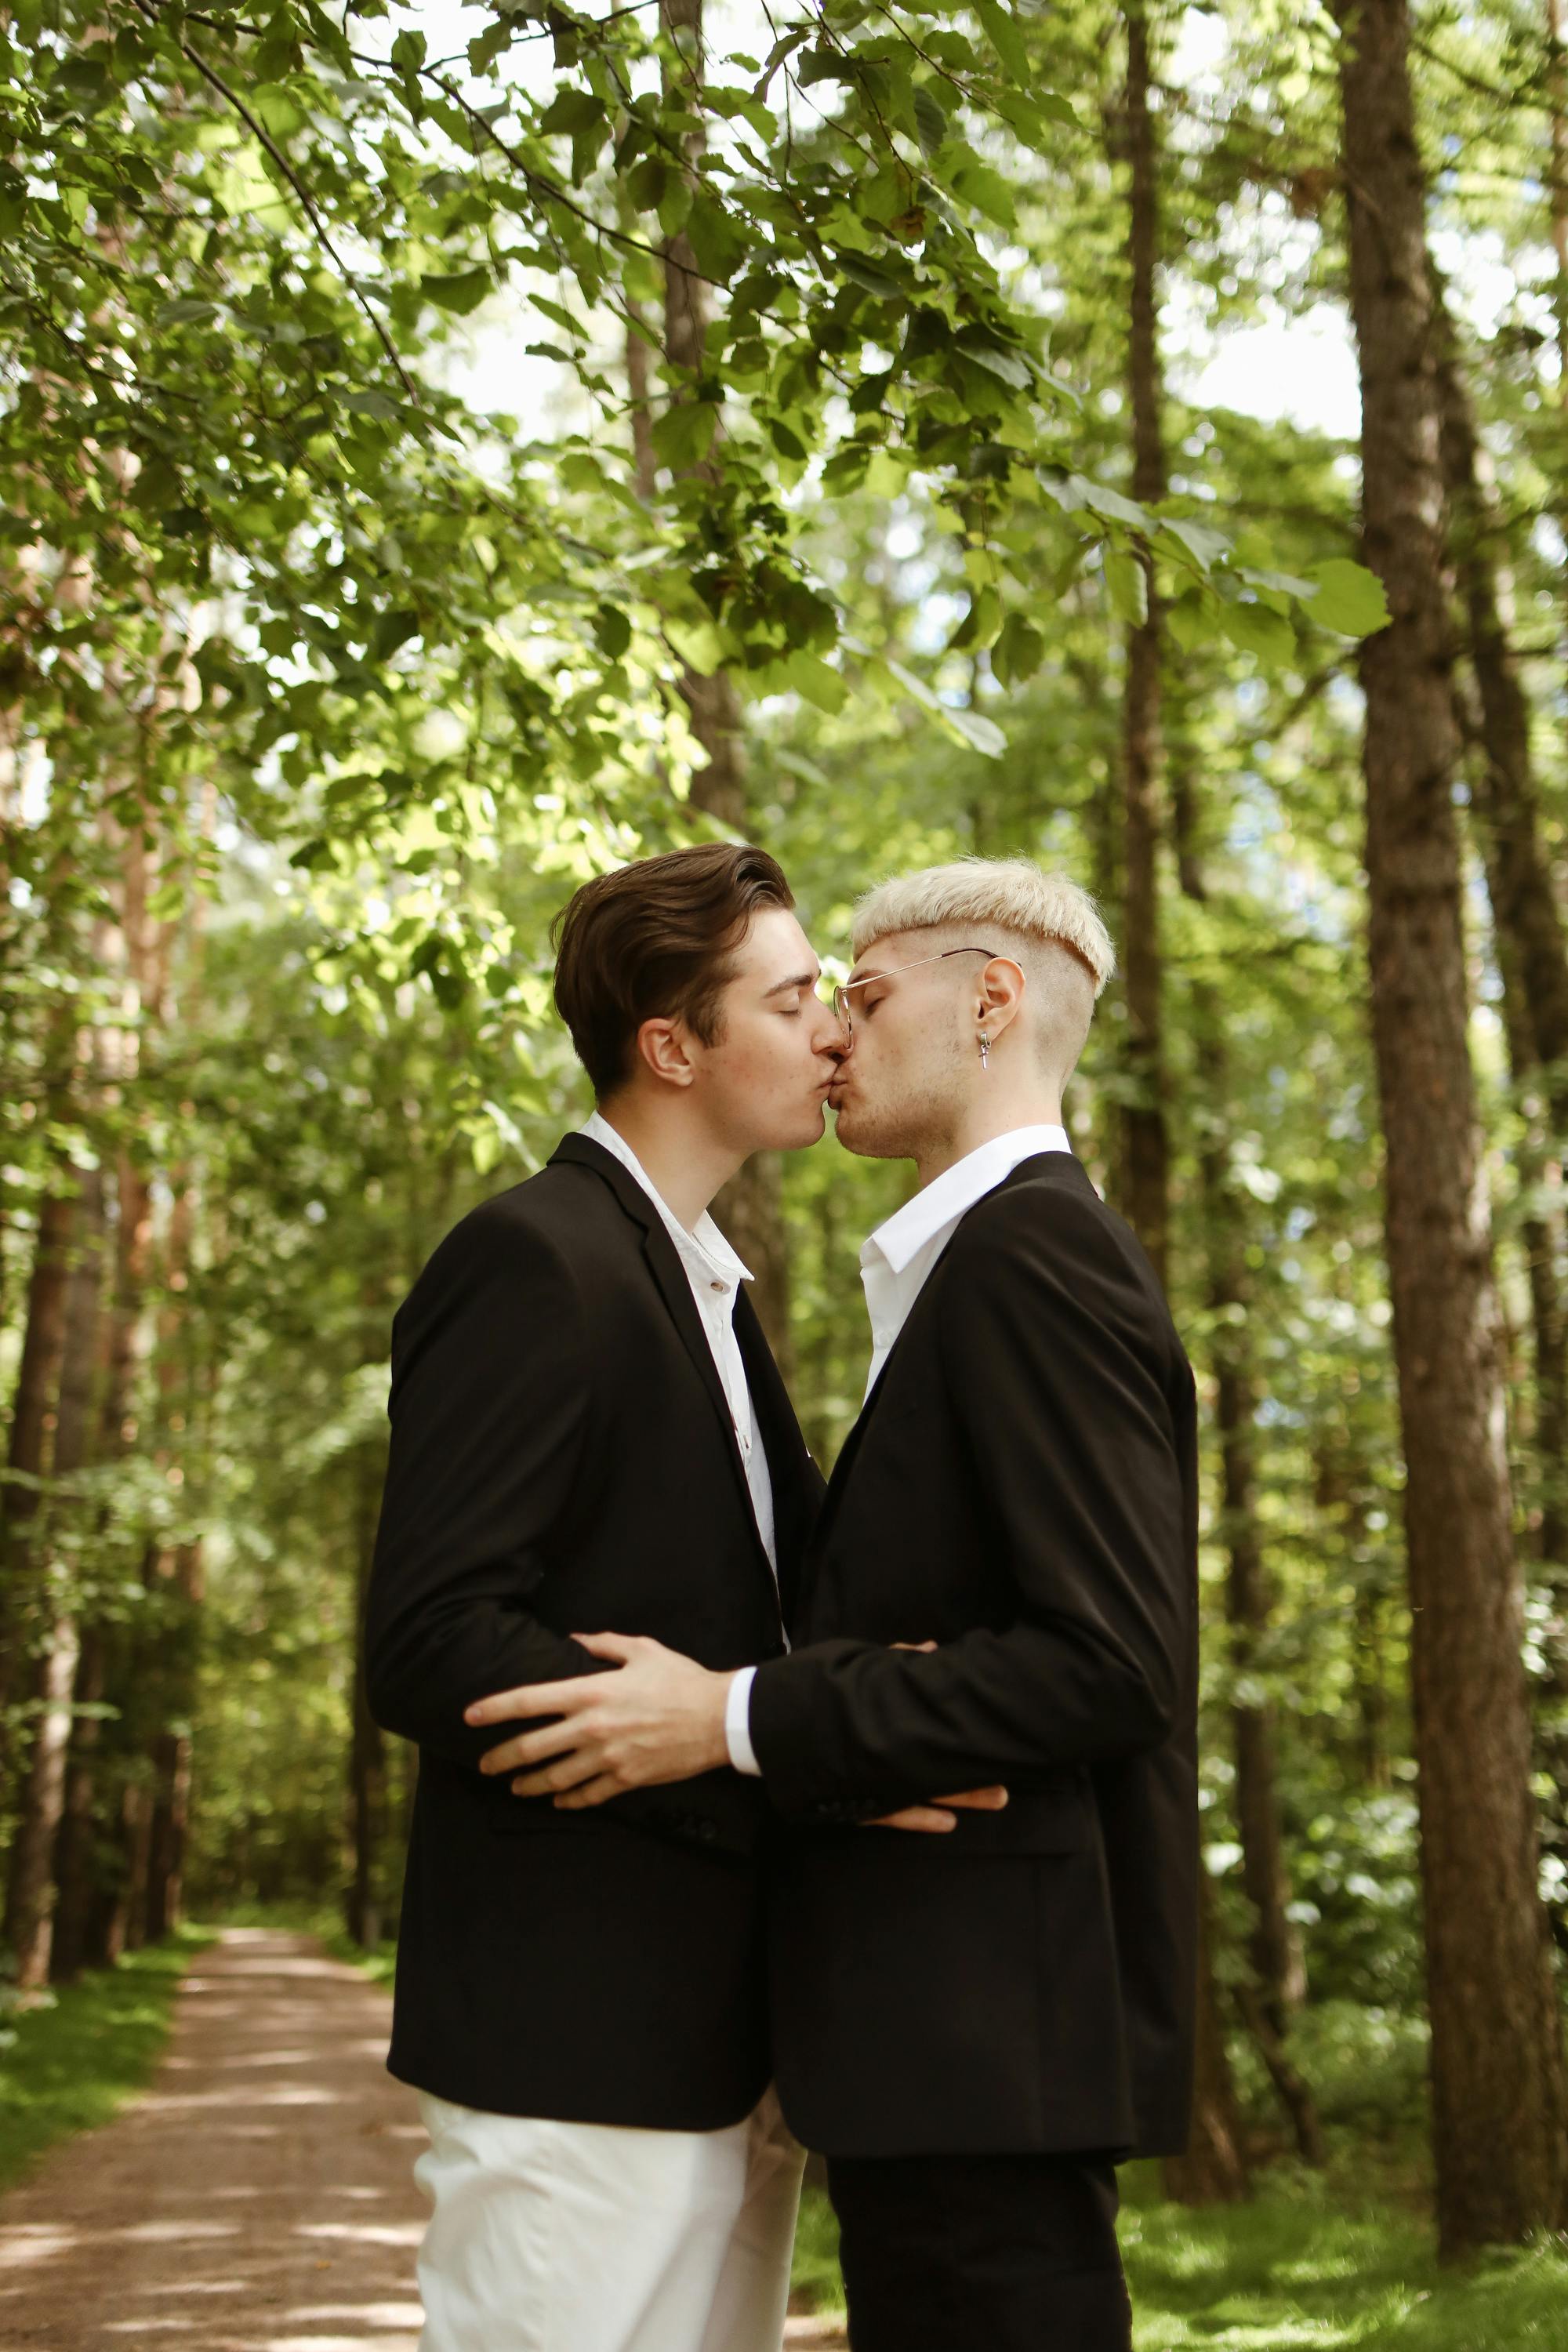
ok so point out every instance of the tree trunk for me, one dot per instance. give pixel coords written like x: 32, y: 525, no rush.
x: 1496, y: 2051
x: 1214, y: 2166
x: 76, y: 1848
x: 1145, y: 1145
x: 123, y: 1926
x: 1557, y: 110
x: 1275, y: 1946
x: 30, y: 1894
x: 88, y: 1914
x: 170, y: 1750
x: 37, y: 1380
x: 1532, y: 955
x: 1214, y: 2169
x: 1278, y: 1972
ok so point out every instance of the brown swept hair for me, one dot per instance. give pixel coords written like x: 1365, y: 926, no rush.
x: 656, y: 940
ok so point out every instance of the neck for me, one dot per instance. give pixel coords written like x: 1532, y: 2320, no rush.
x: 991, y: 1111
x: 687, y: 1164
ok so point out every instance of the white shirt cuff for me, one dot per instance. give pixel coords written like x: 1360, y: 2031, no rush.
x: 738, y: 1722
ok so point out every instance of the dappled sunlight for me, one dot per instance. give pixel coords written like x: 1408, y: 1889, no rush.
x: 406, y: 2234
x: 369, y: 2314
x: 35, y: 2245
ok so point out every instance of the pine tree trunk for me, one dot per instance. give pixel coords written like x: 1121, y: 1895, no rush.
x: 37, y: 1380
x: 1279, y: 1973
x: 1275, y: 1946
x: 1496, y: 2074
x: 30, y: 1893
x: 1214, y: 2166
x: 1532, y: 954
x: 1145, y: 1144
x: 170, y: 1749
x: 87, y: 1918
x: 1214, y: 2169
x: 77, y: 1843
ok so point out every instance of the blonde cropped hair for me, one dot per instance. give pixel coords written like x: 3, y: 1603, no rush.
x: 1012, y: 893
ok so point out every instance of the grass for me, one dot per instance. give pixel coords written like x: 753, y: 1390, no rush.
x: 1298, y: 2269
x: 72, y: 2064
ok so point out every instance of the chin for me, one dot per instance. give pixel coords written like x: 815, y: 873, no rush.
x: 859, y: 1133
x: 808, y: 1128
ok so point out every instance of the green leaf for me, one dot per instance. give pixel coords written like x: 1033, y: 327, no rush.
x: 1104, y: 500
x: 931, y: 123
x: 976, y: 184
x: 572, y: 110
x: 461, y: 291
x: 683, y: 436
x: 675, y: 204
x: 1205, y: 546
x: 874, y: 281
x: 1018, y: 651
x: 1259, y: 630
x: 982, y: 734
x: 1037, y: 116
x: 612, y: 631
x: 1127, y: 584
x: 717, y: 245
x: 372, y: 403
x: 392, y: 630
x: 1012, y: 366
x: 1350, y: 598
x: 821, y: 685
x: 1005, y: 36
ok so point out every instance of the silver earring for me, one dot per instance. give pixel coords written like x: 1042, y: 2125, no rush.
x: 985, y: 1051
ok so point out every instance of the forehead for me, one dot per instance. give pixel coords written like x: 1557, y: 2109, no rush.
x: 893, y: 949
x: 774, y: 948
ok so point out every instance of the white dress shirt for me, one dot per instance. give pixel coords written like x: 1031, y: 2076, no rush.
x: 894, y: 1263
x: 715, y: 1274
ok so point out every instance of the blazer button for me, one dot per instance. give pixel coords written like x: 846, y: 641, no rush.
x: 706, y: 1832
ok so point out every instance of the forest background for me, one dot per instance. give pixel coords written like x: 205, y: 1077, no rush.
x: 448, y: 451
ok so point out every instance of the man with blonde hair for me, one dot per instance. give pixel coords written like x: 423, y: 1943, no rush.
x: 974, y: 2027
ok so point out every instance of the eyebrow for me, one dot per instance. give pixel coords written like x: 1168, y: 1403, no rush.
x: 800, y: 980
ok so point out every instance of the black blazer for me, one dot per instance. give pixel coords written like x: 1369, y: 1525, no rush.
x: 563, y: 1458
x: 1022, y: 1488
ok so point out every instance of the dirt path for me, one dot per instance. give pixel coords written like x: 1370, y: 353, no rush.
x: 258, y: 2198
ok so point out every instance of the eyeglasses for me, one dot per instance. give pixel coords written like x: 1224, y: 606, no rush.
x: 842, y: 992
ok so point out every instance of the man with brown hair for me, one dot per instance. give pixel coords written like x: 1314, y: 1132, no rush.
x: 588, y: 1429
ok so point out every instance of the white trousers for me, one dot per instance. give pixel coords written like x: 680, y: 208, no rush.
x: 556, y: 2237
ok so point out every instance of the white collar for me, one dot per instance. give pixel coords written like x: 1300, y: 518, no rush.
x: 946, y: 1198
x: 703, y: 1241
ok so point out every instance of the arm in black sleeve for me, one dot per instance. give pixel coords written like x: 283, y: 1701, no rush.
x: 488, y: 1410
x: 1059, y: 1371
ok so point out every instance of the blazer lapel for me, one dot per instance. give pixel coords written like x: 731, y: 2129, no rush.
x: 1043, y: 1164
x: 797, y: 1483
x: 674, y: 1287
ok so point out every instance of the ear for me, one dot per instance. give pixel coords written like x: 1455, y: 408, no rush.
x: 999, y: 994
x: 663, y: 1048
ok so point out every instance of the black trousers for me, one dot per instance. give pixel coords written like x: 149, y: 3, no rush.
x: 981, y: 2253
